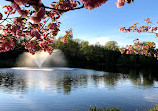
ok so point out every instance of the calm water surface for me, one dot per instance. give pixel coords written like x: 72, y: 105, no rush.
x: 68, y: 89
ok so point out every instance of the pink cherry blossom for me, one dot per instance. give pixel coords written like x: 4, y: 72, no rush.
x: 23, y: 13
x: 38, y: 15
x: 156, y: 35
x: 120, y: 3
x: 18, y: 21
x: 6, y: 44
x: 21, y: 2
x: 37, y: 2
x: 91, y: 4
x: 32, y: 29
x: 37, y: 35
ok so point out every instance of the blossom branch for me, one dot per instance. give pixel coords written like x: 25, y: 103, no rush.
x: 5, y: 18
x: 42, y: 5
x: 64, y: 10
x: 31, y: 27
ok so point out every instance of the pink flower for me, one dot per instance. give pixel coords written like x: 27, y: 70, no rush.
x: 14, y: 29
x: 35, y: 19
x: 21, y: 2
x: 9, y: 9
x: 127, y: 52
x: 120, y: 3
x: 52, y: 26
x: 6, y: 44
x: 32, y: 47
x: 23, y: 13
x: 156, y: 35
x: 44, y: 21
x: 155, y: 55
x: 41, y: 13
x: 37, y: 2
x: 38, y: 15
x: 91, y: 4
x: 45, y: 47
x: 64, y: 39
x: 28, y: 33
x: 49, y: 40
x: 37, y: 35
x: 18, y: 21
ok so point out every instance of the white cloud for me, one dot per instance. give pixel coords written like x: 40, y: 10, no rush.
x: 101, y: 40
x: 122, y: 40
x: 123, y: 44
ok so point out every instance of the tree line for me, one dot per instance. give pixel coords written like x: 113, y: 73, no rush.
x: 80, y: 53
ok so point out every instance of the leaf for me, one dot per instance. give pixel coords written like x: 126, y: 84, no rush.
x: 128, y: 1
x: 4, y: 6
x: 78, y: 2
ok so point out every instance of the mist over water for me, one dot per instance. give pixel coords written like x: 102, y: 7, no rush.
x: 42, y: 59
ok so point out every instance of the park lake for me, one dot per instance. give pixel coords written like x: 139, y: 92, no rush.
x: 69, y: 89
x: 78, y: 55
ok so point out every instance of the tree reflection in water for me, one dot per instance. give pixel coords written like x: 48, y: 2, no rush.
x: 70, y: 81
x: 66, y: 81
x: 10, y: 82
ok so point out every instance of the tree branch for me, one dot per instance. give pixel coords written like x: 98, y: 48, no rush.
x: 64, y: 10
x: 5, y: 18
x: 52, y: 8
x: 10, y: 0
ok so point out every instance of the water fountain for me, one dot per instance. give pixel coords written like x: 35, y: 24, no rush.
x: 42, y: 59
x: 39, y: 58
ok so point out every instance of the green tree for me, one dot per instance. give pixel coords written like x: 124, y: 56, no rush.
x: 111, y: 45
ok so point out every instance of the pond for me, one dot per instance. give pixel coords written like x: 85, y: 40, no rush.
x: 69, y: 89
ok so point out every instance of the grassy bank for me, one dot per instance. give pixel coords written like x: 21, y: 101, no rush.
x: 95, y: 108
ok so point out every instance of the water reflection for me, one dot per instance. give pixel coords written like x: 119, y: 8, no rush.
x: 62, y: 81
x: 69, y: 81
x: 12, y: 80
x: 142, y: 78
x: 65, y: 89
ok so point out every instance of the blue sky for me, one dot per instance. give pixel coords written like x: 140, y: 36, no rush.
x: 102, y: 24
